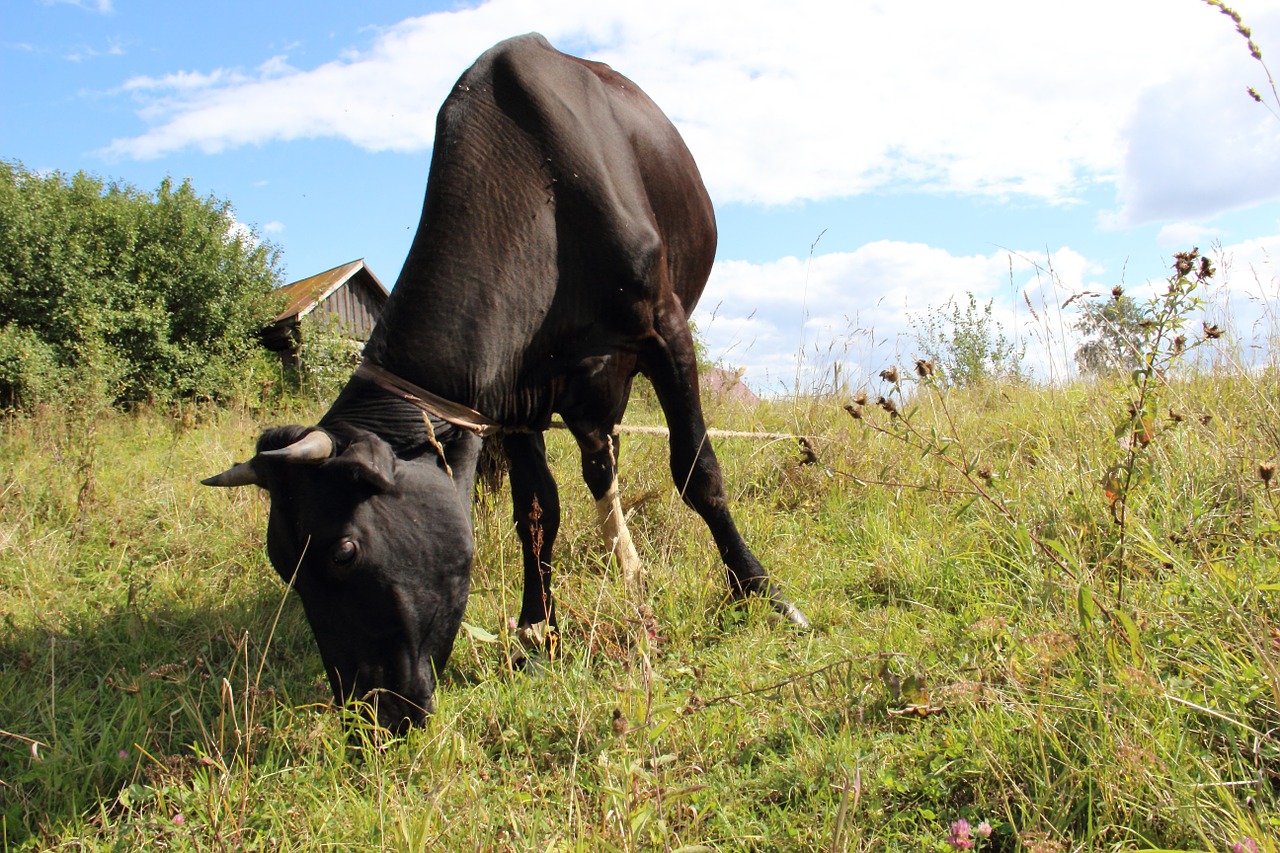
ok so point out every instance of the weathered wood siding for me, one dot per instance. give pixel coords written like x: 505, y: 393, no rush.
x: 355, y: 307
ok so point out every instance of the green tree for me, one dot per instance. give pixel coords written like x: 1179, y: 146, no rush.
x: 967, y: 345
x: 327, y: 355
x: 155, y: 296
x: 1111, y: 333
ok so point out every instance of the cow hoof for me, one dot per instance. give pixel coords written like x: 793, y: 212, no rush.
x: 782, y: 609
x: 787, y: 612
x: 539, y: 645
x: 535, y: 664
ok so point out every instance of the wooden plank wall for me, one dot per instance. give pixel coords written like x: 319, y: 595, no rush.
x: 354, y: 307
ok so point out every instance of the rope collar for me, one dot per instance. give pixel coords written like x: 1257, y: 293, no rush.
x: 432, y: 404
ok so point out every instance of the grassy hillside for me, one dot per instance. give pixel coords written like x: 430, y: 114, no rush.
x: 1020, y: 618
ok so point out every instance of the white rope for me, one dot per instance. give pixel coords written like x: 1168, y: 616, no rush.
x: 713, y: 433
x: 468, y: 418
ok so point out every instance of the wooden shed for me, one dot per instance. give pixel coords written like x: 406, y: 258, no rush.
x: 350, y: 293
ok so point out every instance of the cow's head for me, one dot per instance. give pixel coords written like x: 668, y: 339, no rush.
x: 378, y: 548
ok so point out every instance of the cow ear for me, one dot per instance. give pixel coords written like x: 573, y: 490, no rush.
x: 369, y: 461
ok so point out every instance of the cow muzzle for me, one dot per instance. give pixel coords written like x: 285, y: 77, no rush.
x: 398, y: 708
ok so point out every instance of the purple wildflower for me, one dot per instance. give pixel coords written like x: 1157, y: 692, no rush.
x: 983, y: 830
x: 179, y: 820
x: 1246, y: 846
x: 959, y: 837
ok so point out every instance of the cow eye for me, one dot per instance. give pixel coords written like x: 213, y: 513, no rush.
x: 345, y: 553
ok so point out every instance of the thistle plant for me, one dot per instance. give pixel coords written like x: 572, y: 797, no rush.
x: 1159, y: 343
x: 978, y: 480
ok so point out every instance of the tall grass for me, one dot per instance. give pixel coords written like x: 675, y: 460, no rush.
x: 990, y: 644
x: 160, y: 688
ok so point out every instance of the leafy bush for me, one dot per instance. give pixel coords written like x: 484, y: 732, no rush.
x: 29, y: 369
x: 1112, y: 335
x: 968, y: 345
x: 327, y: 354
x: 159, y: 295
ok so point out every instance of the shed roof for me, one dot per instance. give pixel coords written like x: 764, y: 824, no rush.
x: 307, y: 293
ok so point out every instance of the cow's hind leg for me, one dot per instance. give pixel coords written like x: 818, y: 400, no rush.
x: 535, y: 505
x: 671, y: 366
x: 600, y: 471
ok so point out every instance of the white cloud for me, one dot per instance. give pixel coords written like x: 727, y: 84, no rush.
x: 1179, y: 235
x: 183, y: 82
x: 1198, y: 144
x: 815, y: 99
x: 237, y: 230
x: 102, y: 7
x: 796, y: 318
x: 113, y: 48
x: 1246, y: 295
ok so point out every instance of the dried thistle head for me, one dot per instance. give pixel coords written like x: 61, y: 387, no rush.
x: 860, y: 399
x: 1212, y: 331
x: 986, y: 474
x: 1179, y: 343
x: 1206, y: 270
x: 924, y: 368
x: 1175, y: 417
x: 888, y: 405
x: 1185, y: 262
x: 808, y: 456
x: 855, y: 412
x: 1117, y: 292
x: 1265, y: 472
x: 890, y: 375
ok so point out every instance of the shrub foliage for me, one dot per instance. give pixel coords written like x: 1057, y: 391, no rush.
x: 1112, y: 333
x: 155, y: 296
x: 968, y: 345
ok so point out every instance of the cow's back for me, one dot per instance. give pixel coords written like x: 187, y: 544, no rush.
x: 613, y: 130
x: 556, y: 187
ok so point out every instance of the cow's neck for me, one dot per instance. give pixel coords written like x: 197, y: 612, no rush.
x: 412, y: 433
x: 432, y: 404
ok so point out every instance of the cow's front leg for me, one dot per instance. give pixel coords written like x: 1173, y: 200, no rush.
x: 536, y: 511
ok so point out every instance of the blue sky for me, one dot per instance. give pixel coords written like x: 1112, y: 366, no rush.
x: 1018, y: 151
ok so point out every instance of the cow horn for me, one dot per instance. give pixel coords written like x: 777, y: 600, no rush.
x: 241, y: 474
x: 312, y: 447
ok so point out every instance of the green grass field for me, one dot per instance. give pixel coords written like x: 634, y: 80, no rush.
x: 990, y: 643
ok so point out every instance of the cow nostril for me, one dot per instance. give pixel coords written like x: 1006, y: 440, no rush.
x: 393, y: 712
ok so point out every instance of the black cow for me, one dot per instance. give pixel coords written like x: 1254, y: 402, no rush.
x: 565, y: 237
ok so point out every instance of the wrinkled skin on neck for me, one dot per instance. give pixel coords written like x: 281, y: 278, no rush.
x: 379, y: 549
